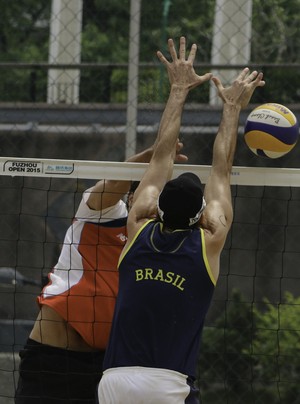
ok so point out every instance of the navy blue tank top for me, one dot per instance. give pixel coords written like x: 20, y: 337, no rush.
x: 165, y: 289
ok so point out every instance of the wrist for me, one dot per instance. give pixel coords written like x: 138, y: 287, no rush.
x: 179, y: 91
x: 233, y: 108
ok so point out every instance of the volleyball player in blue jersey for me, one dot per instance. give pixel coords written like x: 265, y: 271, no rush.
x: 170, y: 264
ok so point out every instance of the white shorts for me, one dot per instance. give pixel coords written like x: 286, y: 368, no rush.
x: 141, y: 385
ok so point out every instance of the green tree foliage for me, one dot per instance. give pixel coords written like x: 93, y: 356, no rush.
x: 276, y: 31
x: 24, y: 37
x: 225, y: 356
x: 276, y: 346
x: 252, y: 351
x: 24, y: 30
x: 105, y: 31
x: 276, y: 39
x: 106, y: 35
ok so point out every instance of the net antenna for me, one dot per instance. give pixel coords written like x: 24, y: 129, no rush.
x: 85, y: 169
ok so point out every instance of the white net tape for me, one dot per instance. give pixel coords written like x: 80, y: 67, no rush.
x: 35, y: 167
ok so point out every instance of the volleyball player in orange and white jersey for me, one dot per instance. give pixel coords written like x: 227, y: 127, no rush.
x: 63, y: 355
x: 84, y: 283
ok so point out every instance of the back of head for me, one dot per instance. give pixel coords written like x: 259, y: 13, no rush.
x: 181, y: 202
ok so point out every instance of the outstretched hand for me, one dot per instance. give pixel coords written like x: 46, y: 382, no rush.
x: 241, y: 90
x: 181, y: 71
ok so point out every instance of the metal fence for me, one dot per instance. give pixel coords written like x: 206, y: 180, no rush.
x: 70, y: 51
x: 67, y: 91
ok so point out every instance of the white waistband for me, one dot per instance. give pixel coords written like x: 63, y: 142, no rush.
x: 149, y: 371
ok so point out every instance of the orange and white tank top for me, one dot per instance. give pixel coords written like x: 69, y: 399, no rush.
x: 83, y: 284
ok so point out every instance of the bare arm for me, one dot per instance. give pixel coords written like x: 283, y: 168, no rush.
x: 106, y: 193
x: 217, y: 193
x: 182, y: 78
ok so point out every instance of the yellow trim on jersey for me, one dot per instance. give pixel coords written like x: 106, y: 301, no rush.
x: 160, y: 224
x: 124, y: 252
x: 209, y: 271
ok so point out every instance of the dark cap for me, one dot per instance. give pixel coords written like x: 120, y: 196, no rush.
x: 181, y: 201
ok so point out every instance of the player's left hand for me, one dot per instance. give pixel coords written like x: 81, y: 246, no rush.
x: 241, y: 90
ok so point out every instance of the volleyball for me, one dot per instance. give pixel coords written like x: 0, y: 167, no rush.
x: 271, y: 130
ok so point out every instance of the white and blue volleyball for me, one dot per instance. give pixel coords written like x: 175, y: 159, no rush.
x: 271, y: 130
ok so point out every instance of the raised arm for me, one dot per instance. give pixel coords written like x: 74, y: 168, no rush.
x: 107, y: 193
x: 219, y: 212
x: 182, y: 79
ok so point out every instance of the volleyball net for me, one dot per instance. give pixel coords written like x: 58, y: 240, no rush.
x: 251, y: 341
